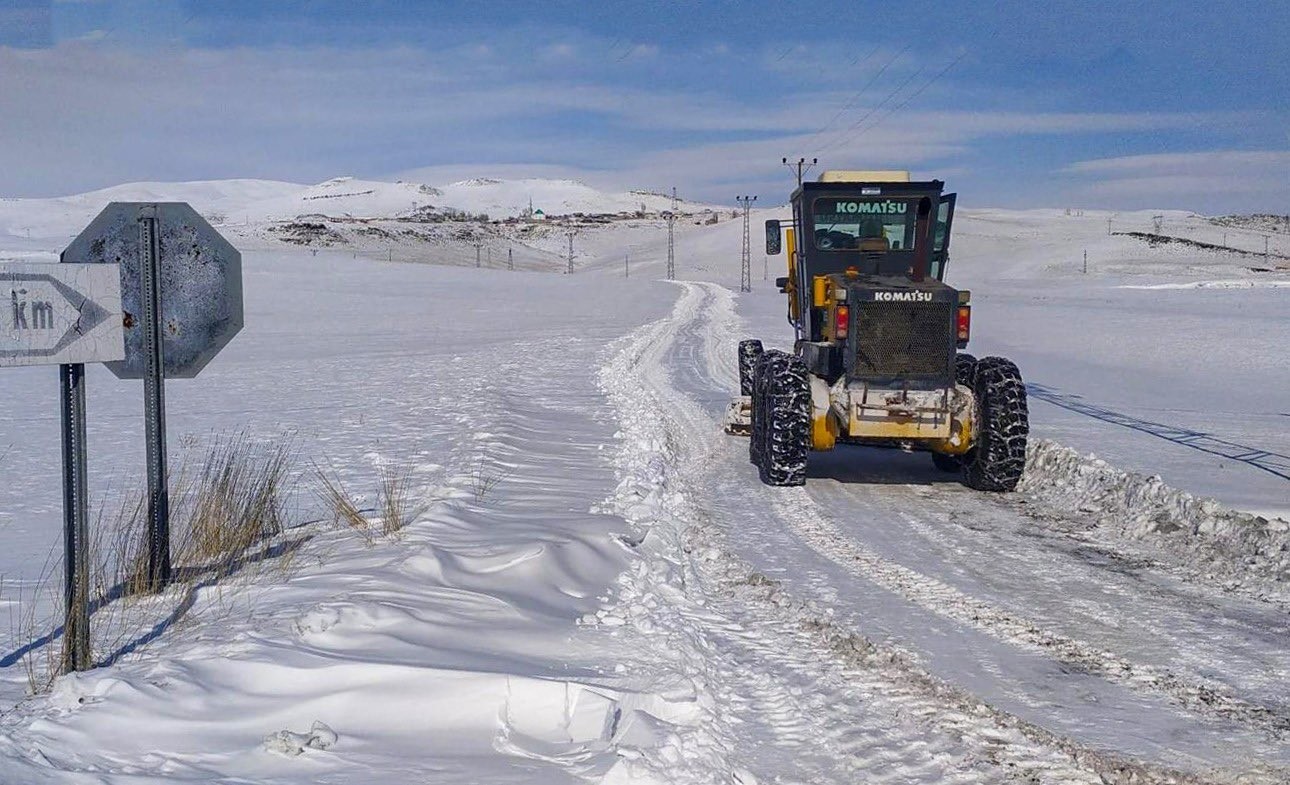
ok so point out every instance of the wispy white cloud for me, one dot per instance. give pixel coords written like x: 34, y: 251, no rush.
x: 1261, y: 178
x: 1197, y: 163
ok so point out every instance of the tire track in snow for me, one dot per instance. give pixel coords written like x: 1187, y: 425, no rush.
x: 937, y: 597
x: 817, y: 528
x: 886, y: 711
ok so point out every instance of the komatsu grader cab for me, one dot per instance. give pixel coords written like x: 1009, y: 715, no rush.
x: 877, y: 358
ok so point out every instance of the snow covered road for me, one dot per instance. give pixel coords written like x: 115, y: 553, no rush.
x: 1103, y: 653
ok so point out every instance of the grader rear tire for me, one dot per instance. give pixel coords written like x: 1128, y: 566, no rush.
x: 762, y: 370
x: 750, y: 351
x: 998, y: 459
x: 786, y: 420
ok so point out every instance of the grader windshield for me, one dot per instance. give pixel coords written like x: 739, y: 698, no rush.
x: 876, y: 225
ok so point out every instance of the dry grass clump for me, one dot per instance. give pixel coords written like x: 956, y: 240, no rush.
x: 234, y: 503
x: 393, y: 509
x: 345, y: 511
x: 395, y: 512
x: 229, y: 515
x: 484, y: 479
x: 228, y: 512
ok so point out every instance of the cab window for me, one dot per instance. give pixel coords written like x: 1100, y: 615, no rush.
x: 942, y: 223
x: 877, y: 225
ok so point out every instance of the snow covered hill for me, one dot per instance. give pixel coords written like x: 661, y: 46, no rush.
x: 509, y: 198
x: 236, y: 202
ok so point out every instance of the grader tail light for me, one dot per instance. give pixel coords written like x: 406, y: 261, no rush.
x: 963, y: 324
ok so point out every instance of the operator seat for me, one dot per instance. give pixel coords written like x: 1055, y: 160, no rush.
x: 872, y: 238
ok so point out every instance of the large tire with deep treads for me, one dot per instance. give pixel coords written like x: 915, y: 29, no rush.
x: 997, y: 460
x: 964, y: 374
x: 760, y: 373
x: 786, y: 420
x: 750, y: 351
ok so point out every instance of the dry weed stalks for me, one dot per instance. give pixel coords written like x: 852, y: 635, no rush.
x: 228, y: 515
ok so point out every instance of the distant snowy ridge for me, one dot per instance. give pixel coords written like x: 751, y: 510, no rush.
x: 1198, y: 534
x: 264, y: 201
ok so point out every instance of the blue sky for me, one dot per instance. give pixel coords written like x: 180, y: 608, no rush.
x: 1117, y: 104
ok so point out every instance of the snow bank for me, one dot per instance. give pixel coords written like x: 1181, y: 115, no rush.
x: 1251, y: 283
x: 1198, y: 534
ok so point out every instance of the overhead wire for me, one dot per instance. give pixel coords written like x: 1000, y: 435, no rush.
x: 855, y: 98
x: 842, y: 137
x: 917, y: 92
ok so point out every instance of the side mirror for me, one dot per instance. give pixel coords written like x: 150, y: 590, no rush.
x: 782, y: 284
x: 772, y: 238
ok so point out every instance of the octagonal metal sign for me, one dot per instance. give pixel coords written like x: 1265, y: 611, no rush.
x: 201, y: 283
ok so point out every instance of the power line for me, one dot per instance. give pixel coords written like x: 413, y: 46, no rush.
x: 851, y: 129
x: 920, y: 90
x: 855, y: 98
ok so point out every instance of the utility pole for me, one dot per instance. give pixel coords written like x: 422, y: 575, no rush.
x: 627, y: 273
x: 1108, y: 226
x: 800, y: 166
x: 569, y: 271
x: 671, y: 238
x: 1086, y: 262
x: 765, y: 268
x: 510, y: 258
x: 478, y: 245
x: 490, y: 257
x: 745, y: 273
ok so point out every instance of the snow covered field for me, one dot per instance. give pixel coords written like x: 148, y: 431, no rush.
x: 596, y: 587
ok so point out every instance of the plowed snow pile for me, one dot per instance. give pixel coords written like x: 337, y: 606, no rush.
x: 1214, y: 543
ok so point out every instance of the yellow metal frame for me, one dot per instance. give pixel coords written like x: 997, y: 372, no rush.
x: 824, y: 432
x: 790, y: 240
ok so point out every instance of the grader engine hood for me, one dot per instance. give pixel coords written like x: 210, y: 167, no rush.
x: 901, y: 332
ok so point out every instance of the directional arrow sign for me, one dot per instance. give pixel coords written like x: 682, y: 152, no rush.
x: 53, y: 314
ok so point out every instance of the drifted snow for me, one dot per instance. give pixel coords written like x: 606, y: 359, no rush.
x: 1194, y: 533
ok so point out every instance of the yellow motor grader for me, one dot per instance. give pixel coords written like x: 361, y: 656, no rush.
x: 877, y: 358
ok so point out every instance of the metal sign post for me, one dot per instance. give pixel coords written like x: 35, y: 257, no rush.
x: 181, y: 290
x: 66, y: 315
x: 76, y: 573
x: 154, y: 403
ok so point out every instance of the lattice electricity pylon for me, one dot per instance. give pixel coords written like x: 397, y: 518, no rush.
x: 745, y: 273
